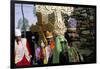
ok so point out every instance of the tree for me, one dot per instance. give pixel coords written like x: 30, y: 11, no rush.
x: 21, y: 25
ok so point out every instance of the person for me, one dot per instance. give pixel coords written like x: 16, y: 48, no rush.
x: 59, y: 30
x: 70, y: 35
x: 29, y: 36
x: 39, y: 56
x: 49, y: 48
x: 22, y: 51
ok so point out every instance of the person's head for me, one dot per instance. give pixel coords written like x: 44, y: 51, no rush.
x: 72, y: 27
x: 18, y: 34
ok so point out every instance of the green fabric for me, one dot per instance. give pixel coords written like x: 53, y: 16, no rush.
x: 80, y: 56
x: 55, y: 56
x: 72, y: 52
x: 73, y: 55
x: 58, y: 44
x: 58, y: 48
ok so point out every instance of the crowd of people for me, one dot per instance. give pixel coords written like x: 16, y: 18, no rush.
x: 56, y: 48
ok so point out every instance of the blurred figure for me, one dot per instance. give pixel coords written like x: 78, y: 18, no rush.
x: 31, y: 43
x: 70, y: 35
x: 22, y: 51
x: 49, y: 48
x: 39, y: 56
x: 59, y: 30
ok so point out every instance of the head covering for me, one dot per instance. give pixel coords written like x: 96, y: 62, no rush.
x: 49, y: 34
x: 17, y: 32
x: 72, y: 24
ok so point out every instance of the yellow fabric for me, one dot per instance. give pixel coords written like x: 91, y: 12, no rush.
x: 44, y: 61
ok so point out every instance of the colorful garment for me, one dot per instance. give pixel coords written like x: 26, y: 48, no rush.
x: 48, y: 52
x: 61, y: 47
x: 58, y: 48
x: 39, y: 54
x: 52, y: 44
x: 44, y: 55
x: 22, y: 53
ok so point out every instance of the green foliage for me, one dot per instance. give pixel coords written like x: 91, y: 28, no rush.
x: 23, y: 24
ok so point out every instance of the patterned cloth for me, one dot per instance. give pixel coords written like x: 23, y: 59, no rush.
x: 74, y: 55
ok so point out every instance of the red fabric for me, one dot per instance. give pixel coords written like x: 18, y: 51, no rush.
x: 41, y: 56
x: 23, y: 62
x: 27, y: 46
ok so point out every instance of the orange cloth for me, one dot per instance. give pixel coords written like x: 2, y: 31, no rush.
x: 52, y: 45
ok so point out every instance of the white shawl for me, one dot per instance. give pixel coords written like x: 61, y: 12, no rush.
x: 21, y: 50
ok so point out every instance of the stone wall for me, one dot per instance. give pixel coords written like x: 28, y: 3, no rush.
x: 86, y: 31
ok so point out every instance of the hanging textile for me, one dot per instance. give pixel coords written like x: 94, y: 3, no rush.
x: 56, y: 51
x: 44, y: 55
x: 39, y: 55
x: 58, y: 48
x: 22, y: 53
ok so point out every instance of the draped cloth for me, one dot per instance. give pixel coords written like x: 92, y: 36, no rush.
x: 58, y: 48
x: 39, y: 55
x: 48, y: 52
x: 22, y: 53
x: 72, y: 52
x: 74, y: 55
